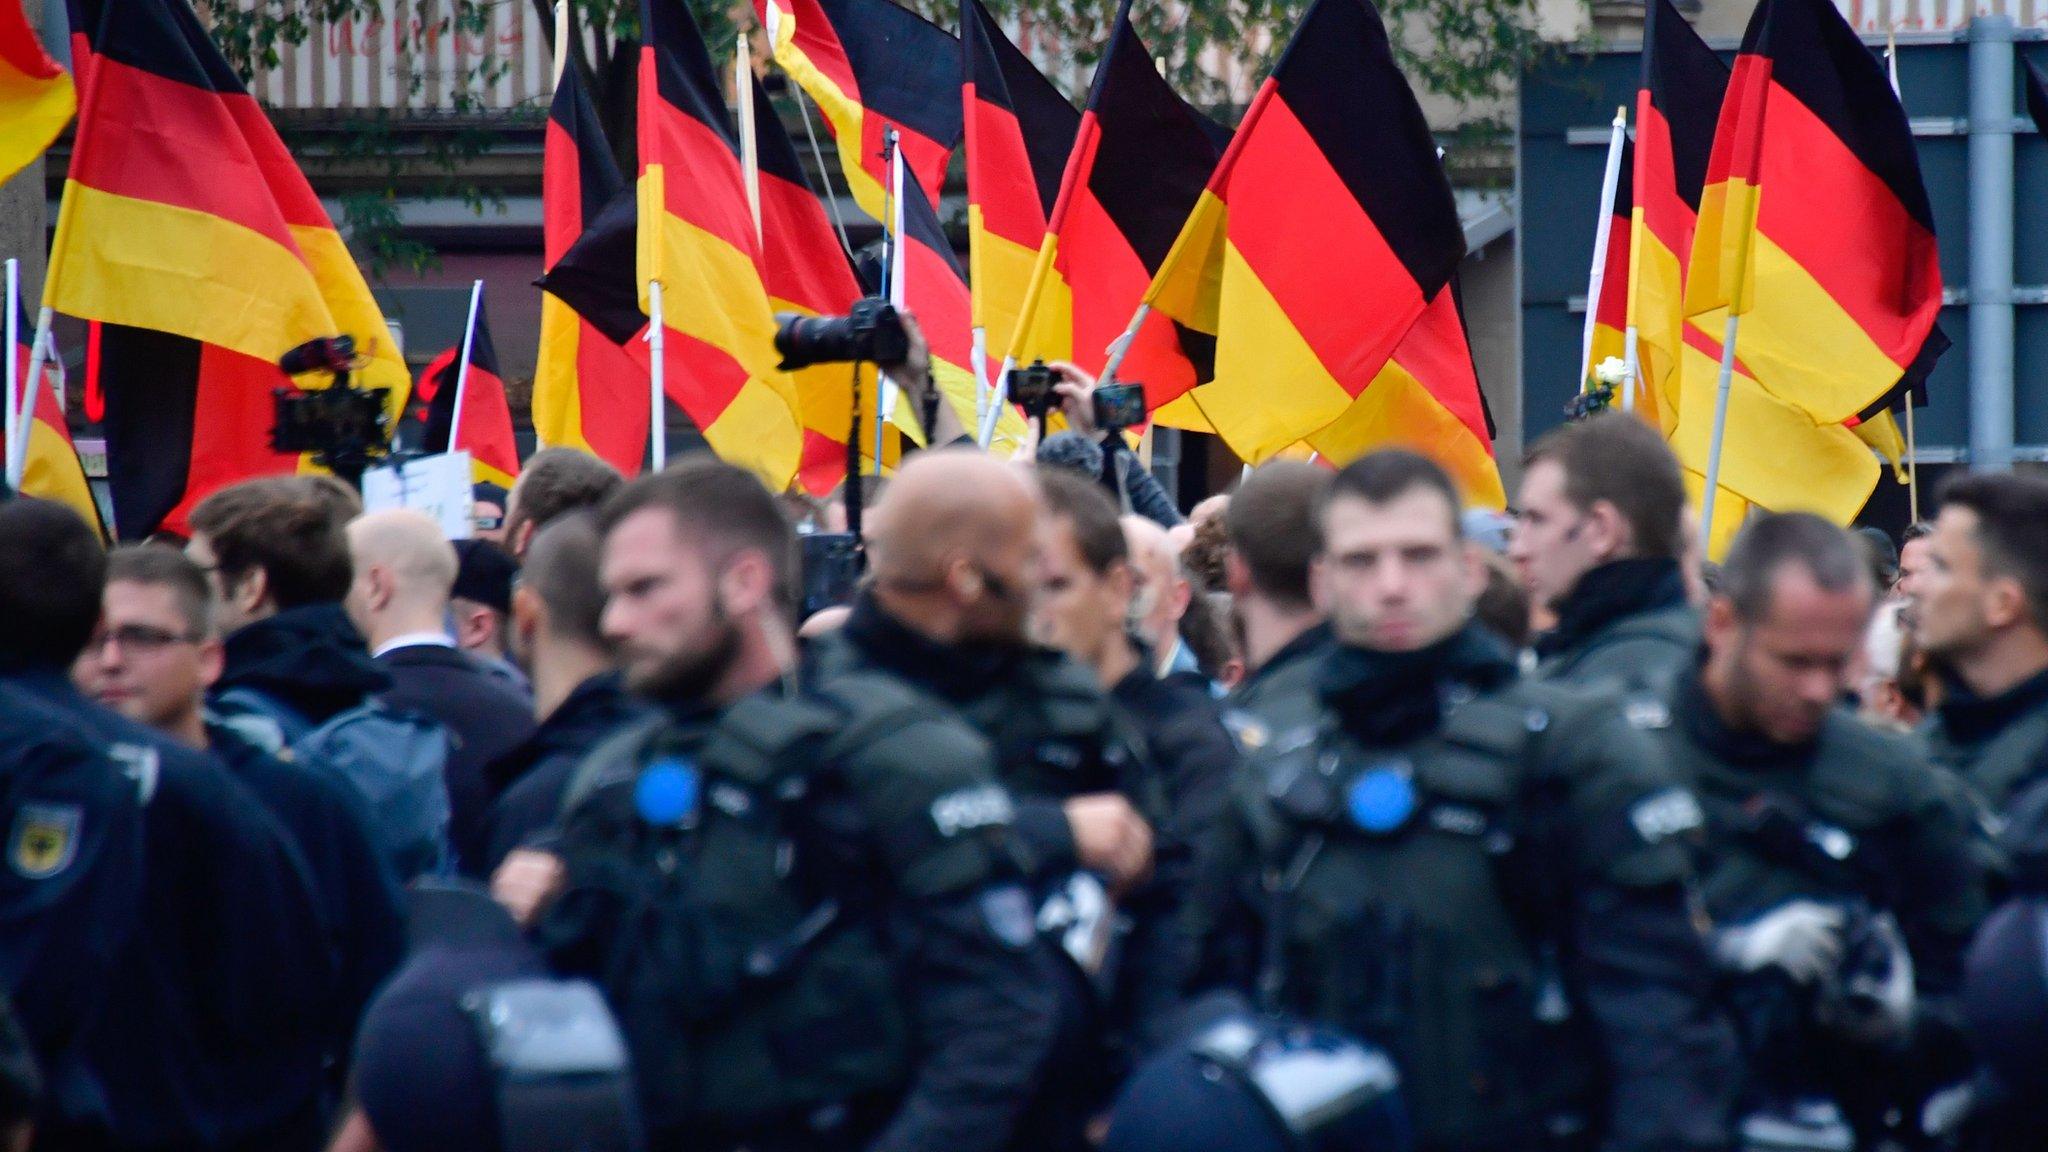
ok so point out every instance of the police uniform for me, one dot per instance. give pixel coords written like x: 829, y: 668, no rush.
x: 1857, y: 819
x: 804, y: 909
x: 68, y: 887
x: 1626, y: 624
x: 1486, y: 877
x: 1058, y: 735
x: 213, y: 1034
x: 1281, y: 693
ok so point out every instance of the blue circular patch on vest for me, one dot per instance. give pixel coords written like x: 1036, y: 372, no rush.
x: 1381, y: 800
x: 667, y: 792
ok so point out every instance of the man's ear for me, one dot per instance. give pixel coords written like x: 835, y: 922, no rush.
x: 747, y: 583
x: 1237, y: 575
x: 2005, y: 603
x: 1607, y: 531
x: 520, y: 537
x: 213, y: 660
x: 248, y: 591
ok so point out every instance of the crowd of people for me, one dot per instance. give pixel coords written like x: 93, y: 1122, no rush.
x: 1332, y: 816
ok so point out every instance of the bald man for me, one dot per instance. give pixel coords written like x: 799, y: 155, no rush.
x: 1159, y: 596
x: 953, y: 555
x: 404, y: 576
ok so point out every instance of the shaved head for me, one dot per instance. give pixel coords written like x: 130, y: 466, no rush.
x: 408, y: 543
x: 954, y: 532
x: 1162, y: 593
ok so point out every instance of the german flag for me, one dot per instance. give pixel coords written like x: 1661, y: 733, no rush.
x: 1426, y: 398
x: 1019, y: 133
x: 36, y: 98
x: 1814, y: 225
x: 1676, y: 106
x: 807, y: 272
x: 52, y: 470
x: 195, y: 246
x: 1610, y: 312
x: 486, y: 431
x: 184, y: 213
x: 873, y: 65
x: 1140, y: 160
x: 589, y: 391
x: 1325, y: 231
x: 697, y: 238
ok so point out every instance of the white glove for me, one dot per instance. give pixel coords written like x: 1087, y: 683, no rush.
x: 1801, y: 937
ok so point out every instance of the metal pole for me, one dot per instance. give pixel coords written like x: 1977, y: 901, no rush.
x: 885, y: 388
x: 1631, y: 359
x: 743, y: 100
x: 17, y: 444
x: 1991, y: 227
x: 13, y: 361
x: 1720, y: 426
x: 1603, y: 234
x: 657, y: 345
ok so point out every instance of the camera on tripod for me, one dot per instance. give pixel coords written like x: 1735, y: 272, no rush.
x: 345, y: 428
x: 871, y: 332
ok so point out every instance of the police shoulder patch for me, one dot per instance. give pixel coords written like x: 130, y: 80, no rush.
x: 44, y: 840
x: 978, y: 806
x: 1662, y: 815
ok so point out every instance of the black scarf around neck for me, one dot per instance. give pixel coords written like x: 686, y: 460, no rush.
x: 1395, y: 697
x: 1610, y: 592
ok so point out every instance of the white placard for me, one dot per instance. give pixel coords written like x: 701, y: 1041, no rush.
x: 436, y: 485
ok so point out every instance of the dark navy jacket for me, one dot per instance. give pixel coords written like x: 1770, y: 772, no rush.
x: 533, y: 777
x: 485, y: 720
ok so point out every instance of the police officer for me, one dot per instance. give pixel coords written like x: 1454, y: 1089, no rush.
x: 953, y: 579
x: 212, y: 1031
x: 1823, y: 834
x: 1483, y: 875
x: 795, y: 887
x: 1598, y: 539
x: 1979, y: 609
x: 1271, y: 526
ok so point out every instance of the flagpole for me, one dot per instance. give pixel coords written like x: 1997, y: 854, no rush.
x: 476, y: 299
x: 978, y: 357
x: 657, y: 428
x: 1121, y: 346
x: 1631, y: 365
x: 17, y: 443
x: 803, y: 107
x: 885, y: 388
x: 13, y: 342
x: 1603, y: 230
x: 1891, y: 64
x: 562, y: 34
x: 999, y: 394
x: 750, y: 152
x: 1720, y: 421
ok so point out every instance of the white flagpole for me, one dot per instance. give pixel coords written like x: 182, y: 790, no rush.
x: 999, y: 395
x: 978, y: 355
x: 1121, y: 346
x: 476, y: 300
x: 17, y: 443
x: 1602, y: 234
x: 1631, y: 361
x: 1720, y: 421
x: 885, y: 388
x: 750, y: 153
x: 13, y: 368
x: 657, y: 427
x: 562, y: 35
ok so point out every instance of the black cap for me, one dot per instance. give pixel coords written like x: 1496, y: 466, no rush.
x: 484, y: 574
x: 489, y: 493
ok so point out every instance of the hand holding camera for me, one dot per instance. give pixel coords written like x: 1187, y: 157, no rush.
x: 1089, y: 408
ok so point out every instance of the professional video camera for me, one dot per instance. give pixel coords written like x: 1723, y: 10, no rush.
x: 871, y: 332
x: 345, y: 428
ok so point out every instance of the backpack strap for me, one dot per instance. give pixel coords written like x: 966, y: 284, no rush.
x: 261, y: 719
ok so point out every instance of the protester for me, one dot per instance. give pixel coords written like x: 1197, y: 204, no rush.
x: 1503, y: 605
x: 153, y: 658
x: 1368, y: 893
x: 479, y: 606
x: 1118, y: 468
x: 1836, y: 855
x: 404, y: 573
x: 847, y: 834
x: 1980, y: 612
x: 1890, y: 693
x: 579, y: 697
x: 215, y: 1023
x: 1913, y: 546
x: 1202, y: 556
x: 1085, y: 597
x: 487, y: 512
x: 1274, y: 537
x: 554, y: 481
x: 1160, y: 596
x: 1598, y: 541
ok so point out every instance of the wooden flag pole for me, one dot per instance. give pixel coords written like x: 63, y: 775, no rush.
x: 750, y: 152
x: 476, y: 300
x: 17, y: 442
x: 657, y: 427
x: 13, y: 368
x: 1603, y: 229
